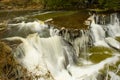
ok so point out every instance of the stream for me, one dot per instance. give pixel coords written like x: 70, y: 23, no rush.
x: 75, y: 52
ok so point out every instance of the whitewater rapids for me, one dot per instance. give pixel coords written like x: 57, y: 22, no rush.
x: 47, y: 49
x: 54, y: 55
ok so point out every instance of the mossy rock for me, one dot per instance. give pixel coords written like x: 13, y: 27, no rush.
x: 96, y: 58
x: 117, y: 38
x: 117, y: 65
x: 100, y: 49
x: 113, y: 68
x: 99, y: 53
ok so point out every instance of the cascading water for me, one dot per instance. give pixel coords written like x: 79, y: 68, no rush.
x: 47, y: 49
x: 104, y: 34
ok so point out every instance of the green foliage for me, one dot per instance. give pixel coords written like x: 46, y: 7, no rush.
x: 110, y: 4
x: 63, y: 4
x: 56, y: 4
x: 66, y: 4
x: 101, y: 3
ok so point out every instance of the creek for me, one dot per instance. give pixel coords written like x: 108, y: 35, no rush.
x: 67, y: 53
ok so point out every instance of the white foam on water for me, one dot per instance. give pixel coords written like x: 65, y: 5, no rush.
x: 103, y: 35
x: 112, y: 42
x: 35, y: 26
x: 60, y: 57
x: 54, y: 55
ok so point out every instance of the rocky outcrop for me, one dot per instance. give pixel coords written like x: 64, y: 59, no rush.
x: 9, y: 68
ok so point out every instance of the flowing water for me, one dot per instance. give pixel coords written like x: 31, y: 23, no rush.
x: 65, y: 53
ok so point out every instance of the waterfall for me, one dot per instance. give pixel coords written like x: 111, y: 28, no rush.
x: 104, y: 34
x: 114, y: 26
x: 44, y: 48
x: 97, y: 33
x: 77, y: 38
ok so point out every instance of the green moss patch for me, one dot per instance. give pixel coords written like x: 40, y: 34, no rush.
x: 100, y: 49
x: 96, y: 58
x: 113, y: 68
x: 99, y: 53
x: 118, y: 39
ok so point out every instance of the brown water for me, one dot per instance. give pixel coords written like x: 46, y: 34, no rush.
x: 67, y: 19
